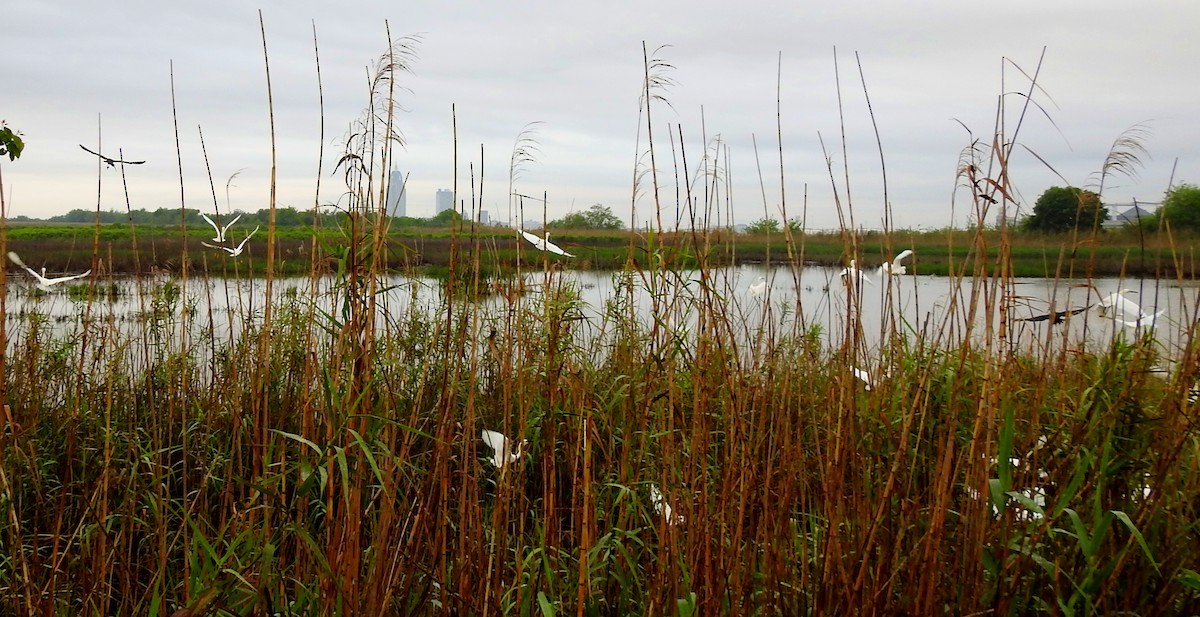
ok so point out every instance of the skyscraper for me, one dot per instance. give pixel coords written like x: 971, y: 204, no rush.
x: 397, y: 196
x: 445, y: 200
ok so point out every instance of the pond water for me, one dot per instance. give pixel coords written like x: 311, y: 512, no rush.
x: 809, y: 299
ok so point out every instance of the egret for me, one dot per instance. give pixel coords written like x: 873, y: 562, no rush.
x: 233, y: 252
x: 544, y: 244
x: 44, y: 283
x: 662, y: 508
x: 863, y: 376
x: 502, y: 452
x: 759, y: 289
x: 220, y: 231
x: 1143, y: 321
x: 894, y: 266
x: 853, y: 271
x: 1116, y: 303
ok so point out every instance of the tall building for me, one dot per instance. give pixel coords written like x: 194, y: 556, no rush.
x: 445, y: 200
x: 397, y: 196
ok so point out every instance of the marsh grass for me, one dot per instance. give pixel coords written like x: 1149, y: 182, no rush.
x: 327, y: 461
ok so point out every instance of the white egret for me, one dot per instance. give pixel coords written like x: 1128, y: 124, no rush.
x: 502, y: 452
x: 662, y: 508
x: 863, y: 376
x: 853, y: 271
x: 1121, y: 308
x: 220, y: 231
x: 759, y: 289
x: 894, y: 266
x: 45, y: 284
x: 1143, y: 321
x: 233, y: 252
x: 544, y: 244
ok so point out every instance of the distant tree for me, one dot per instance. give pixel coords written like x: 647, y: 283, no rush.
x: 1181, y: 207
x: 10, y: 143
x: 599, y: 216
x: 764, y: 225
x: 445, y: 218
x: 1065, y: 208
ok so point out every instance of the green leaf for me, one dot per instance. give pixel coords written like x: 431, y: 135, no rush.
x: 544, y: 603
x: 1137, y: 535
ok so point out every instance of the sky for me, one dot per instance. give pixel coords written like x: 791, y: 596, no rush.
x: 752, y: 90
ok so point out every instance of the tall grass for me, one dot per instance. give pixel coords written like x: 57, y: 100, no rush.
x: 327, y: 461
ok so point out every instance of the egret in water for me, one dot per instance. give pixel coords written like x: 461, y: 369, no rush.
x: 662, y: 508
x: 220, y: 231
x: 43, y: 283
x: 759, y: 289
x: 544, y: 244
x: 502, y: 452
x: 894, y: 266
x: 853, y: 271
x: 233, y: 252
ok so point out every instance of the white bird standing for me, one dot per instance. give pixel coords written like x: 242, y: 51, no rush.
x: 759, y: 289
x: 662, y: 508
x: 502, y: 452
x: 544, y: 244
x: 233, y: 252
x: 853, y: 271
x: 894, y: 266
x: 45, y: 284
x: 220, y: 231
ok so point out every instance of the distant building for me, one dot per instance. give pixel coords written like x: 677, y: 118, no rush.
x: 397, y: 197
x: 1126, y: 214
x: 444, y: 200
x: 484, y: 218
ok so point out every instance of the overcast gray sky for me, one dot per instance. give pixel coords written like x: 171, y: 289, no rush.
x: 100, y: 74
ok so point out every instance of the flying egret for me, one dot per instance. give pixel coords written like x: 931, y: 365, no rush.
x: 502, y: 453
x: 662, y: 508
x: 233, y: 252
x: 894, y: 266
x: 220, y: 231
x: 544, y: 244
x: 852, y: 270
x: 44, y: 283
x: 1116, y: 303
x: 759, y: 289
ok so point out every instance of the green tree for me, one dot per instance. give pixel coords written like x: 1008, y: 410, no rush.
x: 764, y: 225
x: 10, y: 142
x: 1181, y: 207
x: 1065, y: 208
x: 598, y: 216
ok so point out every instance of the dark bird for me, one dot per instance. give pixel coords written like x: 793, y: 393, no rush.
x: 1057, y: 316
x: 108, y: 159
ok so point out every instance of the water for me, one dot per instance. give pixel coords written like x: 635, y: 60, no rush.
x: 810, y: 299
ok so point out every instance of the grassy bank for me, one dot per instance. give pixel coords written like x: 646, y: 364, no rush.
x: 1115, y: 253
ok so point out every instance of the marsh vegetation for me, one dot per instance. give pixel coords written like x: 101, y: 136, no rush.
x: 328, y: 458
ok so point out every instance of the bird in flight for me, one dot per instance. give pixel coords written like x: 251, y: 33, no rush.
x: 45, y: 284
x: 233, y: 252
x: 108, y: 159
x: 544, y: 244
x: 894, y: 266
x: 220, y: 237
x: 1056, y: 317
